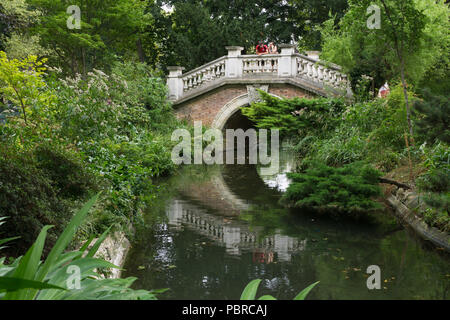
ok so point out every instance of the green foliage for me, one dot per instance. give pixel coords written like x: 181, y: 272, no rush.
x: 329, y: 131
x: 24, y: 89
x: 438, y: 213
x: 109, y: 29
x: 39, y: 187
x: 107, y: 132
x: 29, y: 278
x: 373, y: 130
x: 121, y: 122
x: 196, y: 32
x: 437, y: 161
x: 66, y: 170
x: 16, y: 18
x: 433, y: 113
x: 297, y: 115
x: 417, y: 30
x: 250, y: 290
x: 435, y: 184
x: 348, y: 189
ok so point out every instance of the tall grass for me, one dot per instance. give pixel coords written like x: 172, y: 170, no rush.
x: 29, y: 278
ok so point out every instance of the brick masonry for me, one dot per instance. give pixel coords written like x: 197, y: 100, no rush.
x: 205, y: 107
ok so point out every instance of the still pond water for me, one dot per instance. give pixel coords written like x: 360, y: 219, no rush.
x: 217, y: 228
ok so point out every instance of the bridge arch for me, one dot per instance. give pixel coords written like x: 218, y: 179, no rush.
x: 230, y: 108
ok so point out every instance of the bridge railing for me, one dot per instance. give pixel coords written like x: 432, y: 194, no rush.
x: 287, y: 64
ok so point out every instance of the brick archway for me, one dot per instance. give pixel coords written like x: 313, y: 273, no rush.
x: 230, y: 108
x: 214, y: 108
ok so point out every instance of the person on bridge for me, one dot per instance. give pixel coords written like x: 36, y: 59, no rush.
x: 261, y: 48
x: 273, y: 48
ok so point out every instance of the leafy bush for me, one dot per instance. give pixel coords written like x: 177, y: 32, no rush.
x: 437, y: 161
x: 66, y: 169
x: 347, y: 145
x: 28, y: 278
x: 435, y: 182
x: 145, y: 89
x: 438, y: 215
x: 348, y: 189
x: 105, y: 132
x: 38, y: 187
x: 331, y: 132
x: 121, y: 122
x: 433, y: 113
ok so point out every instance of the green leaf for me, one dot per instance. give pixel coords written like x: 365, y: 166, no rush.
x: 28, y: 266
x: 302, y: 295
x: 98, y: 243
x: 65, y: 238
x: 59, y: 278
x: 11, y: 284
x: 3, y: 241
x: 267, y: 297
x: 87, y: 243
x: 249, y: 292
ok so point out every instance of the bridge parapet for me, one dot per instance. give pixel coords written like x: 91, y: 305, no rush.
x: 249, y: 69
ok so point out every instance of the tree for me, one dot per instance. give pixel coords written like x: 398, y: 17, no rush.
x: 296, y: 116
x: 16, y: 18
x: 404, y: 48
x: 109, y: 29
x: 195, y: 32
x: 310, y: 15
x: 434, y: 117
x: 21, y: 83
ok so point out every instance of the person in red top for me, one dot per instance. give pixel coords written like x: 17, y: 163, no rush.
x: 261, y: 48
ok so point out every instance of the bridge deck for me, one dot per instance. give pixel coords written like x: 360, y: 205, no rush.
x: 288, y: 67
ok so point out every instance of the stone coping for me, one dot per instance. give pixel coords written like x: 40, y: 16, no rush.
x: 406, y: 203
x: 312, y: 87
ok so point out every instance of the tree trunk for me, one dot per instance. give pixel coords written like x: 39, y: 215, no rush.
x: 140, y: 50
x: 83, y: 52
x: 405, y: 92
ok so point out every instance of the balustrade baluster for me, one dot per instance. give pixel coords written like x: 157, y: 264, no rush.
x: 321, y: 71
x: 332, y: 77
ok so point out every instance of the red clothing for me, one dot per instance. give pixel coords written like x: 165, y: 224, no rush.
x: 261, y: 49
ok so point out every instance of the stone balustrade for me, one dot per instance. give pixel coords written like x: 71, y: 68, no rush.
x: 235, y: 66
x: 252, y: 64
x: 200, y: 76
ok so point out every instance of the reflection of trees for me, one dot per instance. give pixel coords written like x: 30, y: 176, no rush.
x: 337, y: 252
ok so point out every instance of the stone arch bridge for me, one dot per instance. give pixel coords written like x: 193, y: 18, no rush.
x: 215, y: 92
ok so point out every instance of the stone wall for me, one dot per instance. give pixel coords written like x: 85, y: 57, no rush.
x: 408, y: 206
x: 114, y: 250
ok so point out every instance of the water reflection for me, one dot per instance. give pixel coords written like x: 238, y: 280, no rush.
x: 280, y: 181
x: 222, y: 227
x: 234, y: 235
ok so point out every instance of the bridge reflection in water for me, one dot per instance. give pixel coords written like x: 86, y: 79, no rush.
x: 223, y: 227
x: 233, y: 234
x: 212, y: 207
